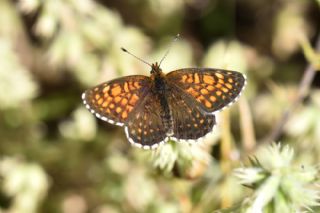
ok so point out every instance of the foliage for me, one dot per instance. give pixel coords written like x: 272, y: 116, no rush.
x: 279, y: 185
x: 57, y: 157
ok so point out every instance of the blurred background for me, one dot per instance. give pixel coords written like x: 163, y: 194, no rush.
x: 57, y: 157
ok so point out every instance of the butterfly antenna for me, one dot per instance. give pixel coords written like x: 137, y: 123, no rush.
x: 174, y: 40
x: 140, y: 59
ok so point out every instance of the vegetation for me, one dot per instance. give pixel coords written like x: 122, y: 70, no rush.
x: 263, y: 156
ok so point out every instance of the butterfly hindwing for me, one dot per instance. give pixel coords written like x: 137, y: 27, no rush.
x: 114, y: 101
x: 145, y: 128
x: 212, y: 88
x: 190, y: 122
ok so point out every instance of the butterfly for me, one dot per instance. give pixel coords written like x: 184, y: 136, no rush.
x: 179, y: 106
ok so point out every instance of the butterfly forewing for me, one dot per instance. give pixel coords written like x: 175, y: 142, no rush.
x: 189, y: 120
x: 212, y: 88
x: 116, y: 100
x: 145, y: 128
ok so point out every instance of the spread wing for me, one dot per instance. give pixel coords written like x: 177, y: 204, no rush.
x: 190, y: 122
x: 213, y: 89
x: 116, y: 100
x: 146, y: 128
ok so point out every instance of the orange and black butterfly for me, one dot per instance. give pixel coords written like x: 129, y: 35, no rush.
x: 180, y: 105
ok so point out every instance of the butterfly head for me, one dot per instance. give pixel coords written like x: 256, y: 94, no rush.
x: 155, y: 69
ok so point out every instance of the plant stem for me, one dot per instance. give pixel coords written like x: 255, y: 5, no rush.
x: 303, y: 91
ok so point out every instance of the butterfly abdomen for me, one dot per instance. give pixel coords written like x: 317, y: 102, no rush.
x: 166, y: 116
x: 160, y: 90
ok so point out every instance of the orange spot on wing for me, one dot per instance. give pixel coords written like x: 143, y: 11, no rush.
x: 219, y: 75
x: 124, y: 101
x: 129, y: 108
x: 197, y: 87
x: 193, y: 92
x: 126, y: 87
x: 221, y: 81
x: 106, y: 89
x: 196, y: 78
x: 207, y: 104
x: 184, y: 78
x: 131, y: 87
x: 134, y: 99
x: 118, y: 109
x: 105, y: 103
x: 201, y: 98
x: 218, y: 86
x: 219, y: 93
x: 117, y: 99
x: 106, y: 95
x: 210, y: 88
x: 116, y: 90
x: 124, y: 115
x: 136, y: 85
x: 204, y: 92
x: 225, y: 90
x: 97, y: 96
x: 111, y: 106
x: 228, y: 85
x: 213, y: 98
x: 230, y: 80
x: 208, y: 79
x: 100, y: 101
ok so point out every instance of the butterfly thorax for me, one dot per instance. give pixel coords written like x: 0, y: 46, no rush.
x: 158, y: 79
x: 160, y: 89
